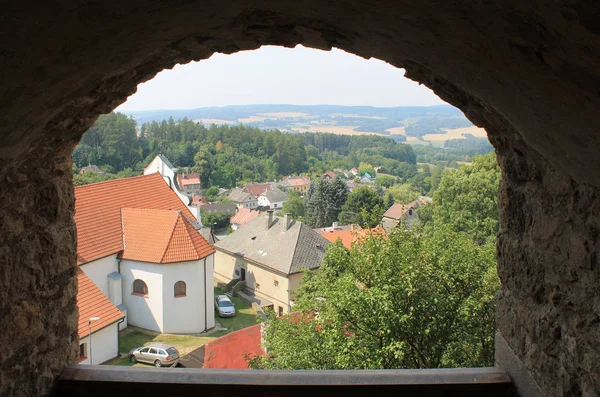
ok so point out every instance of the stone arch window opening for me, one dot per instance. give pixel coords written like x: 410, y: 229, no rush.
x: 140, y: 288
x: 180, y: 289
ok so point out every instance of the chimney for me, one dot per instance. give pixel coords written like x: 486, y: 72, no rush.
x: 288, y: 220
x: 269, y: 218
x: 352, y: 227
x: 334, y: 225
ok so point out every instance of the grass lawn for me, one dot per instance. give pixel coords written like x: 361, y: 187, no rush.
x: 245, y: 316
x: 133, y: 337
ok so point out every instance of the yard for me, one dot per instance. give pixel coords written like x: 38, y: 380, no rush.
x: 133, y: 337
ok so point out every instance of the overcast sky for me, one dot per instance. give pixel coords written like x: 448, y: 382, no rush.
x: 277, y: 75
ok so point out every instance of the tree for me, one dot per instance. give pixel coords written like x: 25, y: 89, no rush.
x: 362, y: 207
x: 324, y: 201
x: 218, y: 219
x: 211, y: 193
x: 294, y: 205
x: 404, y: 193
x: 389, y: 201
x: 385, y: 180
x: 366, y: 168
x: 467, y: 198
x: 400, y: 301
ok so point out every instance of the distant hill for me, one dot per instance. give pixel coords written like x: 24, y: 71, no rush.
x: 414, y: 124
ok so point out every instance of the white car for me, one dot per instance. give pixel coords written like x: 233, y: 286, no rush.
x: 224, y: 306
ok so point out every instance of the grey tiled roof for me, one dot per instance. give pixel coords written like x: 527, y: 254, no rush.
x: 275, y: 196
x: 286, y: 251
x: 238, y: 195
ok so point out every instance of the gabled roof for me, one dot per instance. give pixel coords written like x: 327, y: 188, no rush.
x: 397, y: 211
x: 275, y: 195
x: 91, y: 302
x: 256, y: 189
x: 348, y: 237
x: 98, y: 211
x: 160, y: 236
x: 298, y: 180
x: 284, y: 251
x: 218, y: 207
x: 243, y: 216
x: 188, y: 179
x: 329, y: 174
x: 239, y: 196
x: 167, y: 162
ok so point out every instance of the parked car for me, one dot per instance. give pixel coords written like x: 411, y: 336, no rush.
x: 224, y: 306
x: 158, y: 354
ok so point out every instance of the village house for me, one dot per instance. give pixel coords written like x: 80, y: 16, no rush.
x: 398, y: 213
x: 256, y: 189
x: 99, y: 322
x: 163, y: 166
x: 139, y: 246
x: 243, y: 216
x: 242, y: 199
x: 354, y: 171
x: 269, y: 254
x: 272, y: 199
x: 299, y: 184
x: 328, y: 175
x: 189, y: 183
x: 91, y: 168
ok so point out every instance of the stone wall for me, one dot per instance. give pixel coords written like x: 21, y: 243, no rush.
x: 38, y: 316
x: 527, y: 71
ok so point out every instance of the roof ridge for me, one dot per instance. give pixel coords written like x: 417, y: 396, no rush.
x: 162, y: 258
x: 295, y: 247
x: 114, y: 181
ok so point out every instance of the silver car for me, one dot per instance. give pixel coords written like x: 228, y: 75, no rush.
x: 158, y: 354
x: 224, y: 306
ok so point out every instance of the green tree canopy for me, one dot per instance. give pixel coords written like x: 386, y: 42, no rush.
x: 404, y: 193
x: 402, y: 301
x: 467, y: 198
x: 363, y: 207
x: 324, y: 201
x: 294, y: 205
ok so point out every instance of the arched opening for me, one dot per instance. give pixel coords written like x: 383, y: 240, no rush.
x: 179, y: 289
x: 140, y: 288
x: 525, y: 73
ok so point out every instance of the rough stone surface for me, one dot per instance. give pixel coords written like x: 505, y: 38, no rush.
x: 527, y: 71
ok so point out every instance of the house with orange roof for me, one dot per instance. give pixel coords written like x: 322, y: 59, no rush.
x: 243, y: 216
x: 350, y: 237
x: 400, y: 213
x: 139, y: 245
x: 189, y: 183
x: 103, y: 329
x: 297, y: 183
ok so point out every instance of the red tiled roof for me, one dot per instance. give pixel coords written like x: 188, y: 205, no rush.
x: 188, y: 179
x: 198, y: 200
x: 256, y: 189
x: 299, y: 180
x: 329, y: 174
x: 229, y: 351
x: 351, y: 236
x: 98, y: 211
x: 397, y: 211
x: 243, y: 216
x: 160, y: 236
x: 91, y: 302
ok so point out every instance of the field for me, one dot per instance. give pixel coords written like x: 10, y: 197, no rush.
x: 337, y: 129
x: 456, y: 133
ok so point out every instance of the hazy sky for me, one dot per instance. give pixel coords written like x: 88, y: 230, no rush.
x: 277, y: 75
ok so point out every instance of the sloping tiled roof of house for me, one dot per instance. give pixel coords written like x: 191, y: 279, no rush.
x: 229, y: 351
x: 98, y: 211
x: 161, y: 236
x: 243, y: 216
x: 275, y: 196
x: 188, y: 179
x: 238, y: 195
x: 329, y: 174
x: 284, y: 251
x: 256, y: 189
x: 298, y: 180
x: 397, y: 211
x: 348, y: 237
x: 91, y: 302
